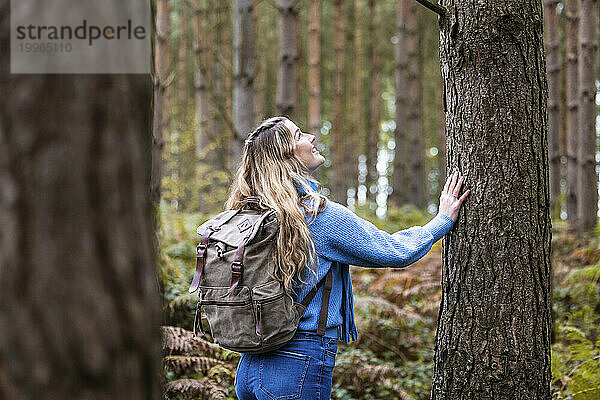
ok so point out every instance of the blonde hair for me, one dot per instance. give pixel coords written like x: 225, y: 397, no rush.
x: 270, y: 171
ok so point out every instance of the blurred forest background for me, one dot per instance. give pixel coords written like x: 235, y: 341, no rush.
x: 364, y: 77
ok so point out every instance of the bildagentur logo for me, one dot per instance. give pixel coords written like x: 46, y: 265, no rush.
x: 84, y: 31
x: 80, y: 36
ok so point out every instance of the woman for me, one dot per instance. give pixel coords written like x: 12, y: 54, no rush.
x: 317, y: 236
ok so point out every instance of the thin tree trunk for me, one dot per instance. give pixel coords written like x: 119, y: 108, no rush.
x: 338, y: 187
x: 314, y: 67
x: 244, y: 59
x: 554, y: 99
x: 374, y: 104
x: 181, y: 64
x: 587, y: 177
x: 571, y: 71
x: 357, y: 98
x: 399, y: 194
x: 288, y: 58
x: 494, y: 325
x: 415, y: 165
x: 80, y: 307
x: 161, y: 65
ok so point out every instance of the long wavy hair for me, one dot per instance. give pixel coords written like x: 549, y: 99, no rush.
x: 270, y: 171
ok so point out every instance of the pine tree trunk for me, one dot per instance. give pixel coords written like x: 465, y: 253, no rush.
x: 338, y: 164
x: 314, y: 67
x: 587, y: 208
x: 80, y: 307
x: 244, y: 59
x: 374, y: 104
x: 414, y: 132
x: 494, y: 325
x: 181, y: 65
x: 288, y: 58
x: 571, y: 70
x: 399, y: 194
x: 357, y: 97
x: 161, y: 65
x: 554, y: 99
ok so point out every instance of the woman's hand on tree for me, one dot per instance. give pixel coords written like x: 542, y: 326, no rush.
x: 449, y: 201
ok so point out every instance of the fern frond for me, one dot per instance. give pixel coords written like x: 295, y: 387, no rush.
x: 204, y: 388
x: 384, y: 308
x: 190, y: 365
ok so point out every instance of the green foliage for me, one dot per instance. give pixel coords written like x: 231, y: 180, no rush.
x: 576, y: 351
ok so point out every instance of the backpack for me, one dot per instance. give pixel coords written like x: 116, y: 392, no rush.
x: 247, y: 308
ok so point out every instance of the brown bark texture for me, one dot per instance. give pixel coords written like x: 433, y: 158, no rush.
x: 288, y: 58
x: 161, y: 69
x: 571, y: 71
x: 587, y: 178
x: 554, y: 99
x: 399, y: 178
x: 244, y: 60
x: 494, y: 324
x: 339, y: 158
x: 314, y: 67
x: 80, y: 310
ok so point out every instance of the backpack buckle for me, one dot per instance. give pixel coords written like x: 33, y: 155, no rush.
x: 236, y: 268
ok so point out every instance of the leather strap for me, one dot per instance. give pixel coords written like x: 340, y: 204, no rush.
x: 325, y: 304
x: 198, y: 320
x: 202, y: 246
x: 328, y: 282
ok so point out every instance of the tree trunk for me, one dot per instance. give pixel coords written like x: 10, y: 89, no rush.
x: 181, y: 65
x: 288, y: 58
x: 244, y: 59
x: 494, y: 325
x: 161, y: 65
x: 80, y: 307
x: 357, y: 97
x: 314, y: 66
x: 554, y: 99
x: 338, y: 187
x: 417, y: 184
x: 587, y: 208
x: 571, y: 32
x: 399, y: 194
x: 374, y: 105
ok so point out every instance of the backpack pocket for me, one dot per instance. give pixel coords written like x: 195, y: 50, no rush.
x: 276, y: 315
x: 231, y: 317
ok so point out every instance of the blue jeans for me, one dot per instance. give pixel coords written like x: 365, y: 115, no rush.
x: 302, y: 369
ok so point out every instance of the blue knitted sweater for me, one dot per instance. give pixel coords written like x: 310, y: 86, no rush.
x: 341, y: 239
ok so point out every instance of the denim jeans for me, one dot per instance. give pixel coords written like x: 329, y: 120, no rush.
x: 302, y: 369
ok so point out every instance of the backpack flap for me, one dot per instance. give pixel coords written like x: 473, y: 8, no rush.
x: 242, y: 227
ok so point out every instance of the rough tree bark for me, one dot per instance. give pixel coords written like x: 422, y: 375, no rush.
x: 571, y: 32
x: 338, y: 182
x: 80, y: 310
x: 587, y: 178
x: 314, y: 67
x: 494, y: 325
x: 417, y: 183
x: 554, y: 100
x: 244, y: 60
x: 161, y: 68
x: 399, y: 195
x: 288, y: 58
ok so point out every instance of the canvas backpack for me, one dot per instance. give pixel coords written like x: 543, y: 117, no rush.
x: 247, y: 309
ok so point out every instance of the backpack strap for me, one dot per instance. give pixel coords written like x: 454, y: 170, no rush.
x: 201, y: 248
x: 328, y: 282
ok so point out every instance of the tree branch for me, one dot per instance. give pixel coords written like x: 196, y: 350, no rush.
x: 436, y: 8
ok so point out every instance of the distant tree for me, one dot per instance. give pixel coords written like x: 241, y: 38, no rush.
x: 182, y: 83
x: 244, y: 60
x: 161, y: 71
x: 494, y: 325
x: 399, y: 195
x: 288, y: 58
x: 356, y: 102
x: 338, y: 134
x: 80, y: 310
x: 554, y: 98
x: 314, y: 67
x: 374, y: 108
x: 587, y: 178
x: 571, y: 88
